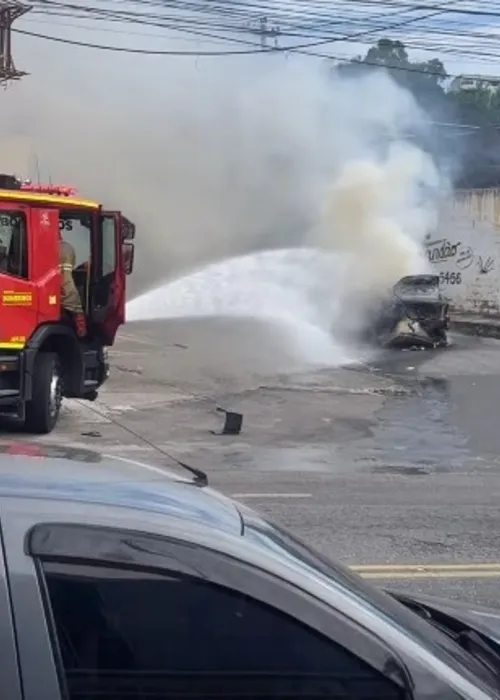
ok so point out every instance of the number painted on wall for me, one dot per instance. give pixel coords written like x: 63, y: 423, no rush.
x: 450, y: 278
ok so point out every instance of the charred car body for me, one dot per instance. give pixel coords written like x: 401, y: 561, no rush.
x: 416, y: 315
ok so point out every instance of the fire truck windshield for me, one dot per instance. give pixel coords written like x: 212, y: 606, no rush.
x: 75, y: 228
x: 13, y: 244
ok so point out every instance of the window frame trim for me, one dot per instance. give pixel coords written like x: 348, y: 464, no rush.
x: 112, y: 216
x: 116, y: 216
x: 97, y: 545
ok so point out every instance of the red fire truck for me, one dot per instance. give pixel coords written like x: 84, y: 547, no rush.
x: 42, y: 359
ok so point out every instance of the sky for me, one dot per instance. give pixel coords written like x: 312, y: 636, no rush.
x: 209, y: 154
x: 466, y: 42
x: 66, y: 81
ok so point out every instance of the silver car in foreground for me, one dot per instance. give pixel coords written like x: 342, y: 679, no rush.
x: 122, y: 580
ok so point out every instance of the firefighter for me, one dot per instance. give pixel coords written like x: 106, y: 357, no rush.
x: 70, y: 297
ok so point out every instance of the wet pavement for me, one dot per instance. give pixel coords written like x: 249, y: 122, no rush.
x: 451, y: 421
x: 391, y: 460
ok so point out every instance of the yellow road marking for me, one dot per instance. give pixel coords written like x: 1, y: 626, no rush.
x: 432, y: 575
x: 428, y: 571
x: 426, y: 567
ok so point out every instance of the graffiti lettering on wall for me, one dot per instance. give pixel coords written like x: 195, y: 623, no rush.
x: 465, y: 258
x: 455, y: 254
x: 441, y: 250
x: 485, y: 265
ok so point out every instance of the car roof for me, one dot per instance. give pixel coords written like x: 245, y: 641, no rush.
x: 61, y: 473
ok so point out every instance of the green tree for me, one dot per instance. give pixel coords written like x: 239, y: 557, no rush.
x: 420, y: 77
x: 387, y: 53
x: 473, y: 154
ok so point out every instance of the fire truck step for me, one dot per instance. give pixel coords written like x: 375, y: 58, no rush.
x: 8, y: 393
x: 9, y: 400
x: 91, y: 359
x: 9, y: 363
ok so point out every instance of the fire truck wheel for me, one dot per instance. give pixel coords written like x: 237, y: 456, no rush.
x: 43, y: 410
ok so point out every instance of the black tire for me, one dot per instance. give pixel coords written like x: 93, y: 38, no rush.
x: 42, y: 412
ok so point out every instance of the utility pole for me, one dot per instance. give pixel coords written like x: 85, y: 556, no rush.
x: 10, y: 10
x: 266, y: 33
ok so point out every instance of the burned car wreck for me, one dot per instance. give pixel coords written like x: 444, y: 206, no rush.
x: 415, y: 315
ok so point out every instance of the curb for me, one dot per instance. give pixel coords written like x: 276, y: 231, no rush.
x: 485, y: 328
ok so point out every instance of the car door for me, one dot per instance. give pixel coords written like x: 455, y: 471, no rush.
x: 103, y: 611
x: 18, y: 275
x: 9, y: 665
x: 431, y: 656
x: 135, y: 615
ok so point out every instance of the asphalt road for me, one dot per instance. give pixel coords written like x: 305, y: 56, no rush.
x: 391, y: 461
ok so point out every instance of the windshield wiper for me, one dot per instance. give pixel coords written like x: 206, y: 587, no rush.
x: 479, y: 648
x: 468, y: 639
x: 418, y: 609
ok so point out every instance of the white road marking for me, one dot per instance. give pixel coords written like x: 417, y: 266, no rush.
x: 128, y: 448
x: 135, y: 339
x: 271, y: 495
x: 119, y: 353
x: 159, y: 470
x: 119, y: 401
x: 72, y: 409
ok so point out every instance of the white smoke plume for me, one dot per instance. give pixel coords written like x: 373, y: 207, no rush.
x: 376, y: 214
x: 217, y: 157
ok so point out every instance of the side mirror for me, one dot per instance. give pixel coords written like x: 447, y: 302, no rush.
x: 128, y: 230
x: 128, y: 257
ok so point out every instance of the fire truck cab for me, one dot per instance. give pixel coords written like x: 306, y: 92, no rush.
x: 42, y: 359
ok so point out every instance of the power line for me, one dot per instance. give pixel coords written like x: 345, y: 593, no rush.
x: 159, y: 20
x: 294, y: 48
x: 257, y: 50
x: 412, y: 44
x: 194, y: 7
x: 101, y: 13
x: 306, y: 45
x: 274, y: 11
x: 147, y: 52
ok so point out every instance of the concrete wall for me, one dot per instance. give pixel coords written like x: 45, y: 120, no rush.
x: 465, y: 251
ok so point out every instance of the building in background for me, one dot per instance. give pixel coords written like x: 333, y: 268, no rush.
x: 473, y: 82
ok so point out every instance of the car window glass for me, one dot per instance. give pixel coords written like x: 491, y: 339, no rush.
x: 284, y: 545
x: 108, y: 245
x: 126, y: 633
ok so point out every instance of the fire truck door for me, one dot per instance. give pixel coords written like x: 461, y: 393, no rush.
x: 108, y: 296
x: 18, y: 292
